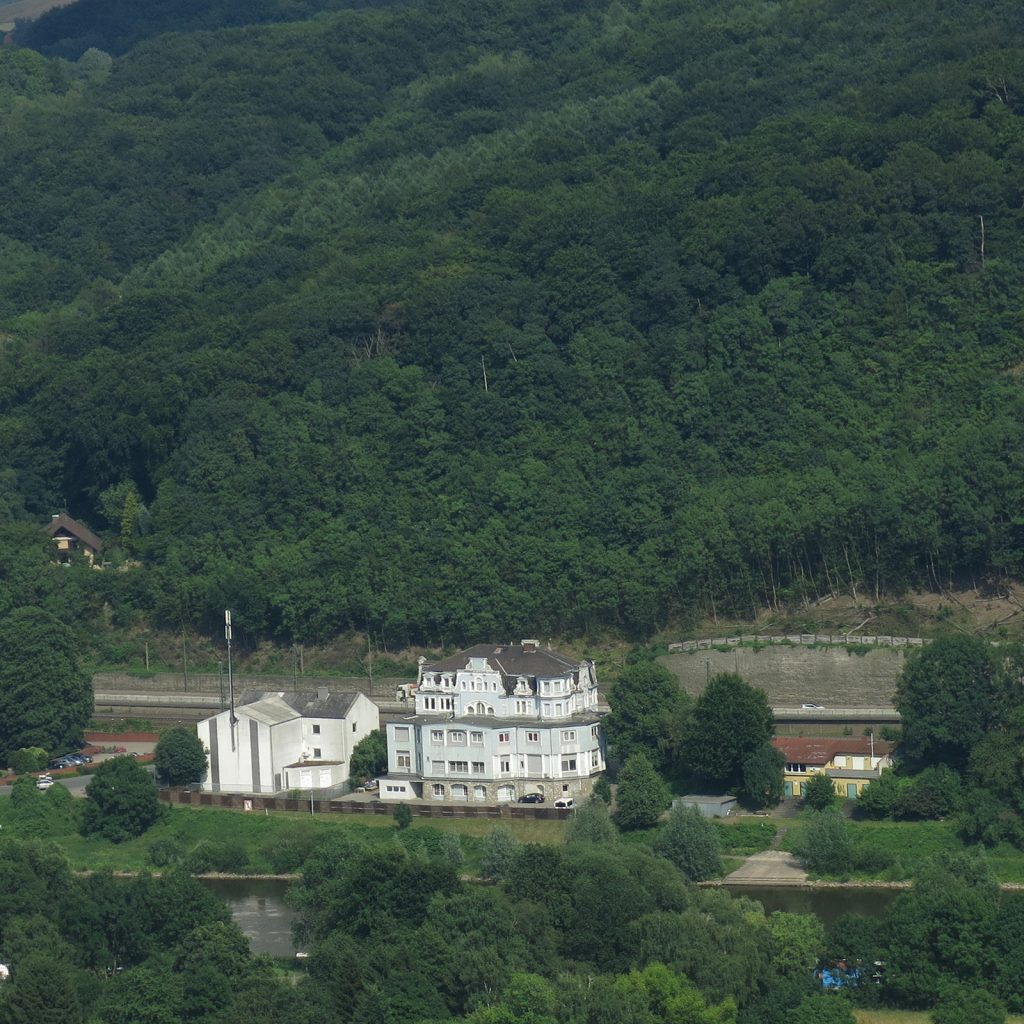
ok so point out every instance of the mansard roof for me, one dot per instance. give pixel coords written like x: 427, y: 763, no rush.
x: 520, y: 659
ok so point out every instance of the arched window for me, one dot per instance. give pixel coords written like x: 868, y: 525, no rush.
x: 460, y: 792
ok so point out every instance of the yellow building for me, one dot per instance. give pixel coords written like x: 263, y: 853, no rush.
x: 850, y: 761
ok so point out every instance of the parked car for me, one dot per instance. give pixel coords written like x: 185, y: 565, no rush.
x: 532, y: 798
x: 812, y: 707
x: 44, y: 782
x: 61, y: 762
x: 75, y: 759
x: 564, y: 802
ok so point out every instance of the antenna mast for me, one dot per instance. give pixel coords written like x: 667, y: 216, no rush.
x: 231, y: 682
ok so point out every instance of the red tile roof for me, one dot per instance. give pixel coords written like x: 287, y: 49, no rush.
x: 821, y: 750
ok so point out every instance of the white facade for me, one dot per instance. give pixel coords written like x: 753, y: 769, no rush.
x: 281, y: 741
x: 497, y: 722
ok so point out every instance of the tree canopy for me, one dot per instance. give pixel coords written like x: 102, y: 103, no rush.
x: 730, y: 721
x: 180, y: 757
x: 121, y: 800
x: 584, y: 315
x: 947, y: 697
x: 45, y: 697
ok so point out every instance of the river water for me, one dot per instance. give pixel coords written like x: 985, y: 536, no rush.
x: 259, y: 908
x: 828, y: 904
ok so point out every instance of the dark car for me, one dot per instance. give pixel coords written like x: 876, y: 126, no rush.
x: 532, y: 798
x: 61, y: 762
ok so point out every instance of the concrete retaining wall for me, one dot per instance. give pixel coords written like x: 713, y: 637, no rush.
x: 791, y: 676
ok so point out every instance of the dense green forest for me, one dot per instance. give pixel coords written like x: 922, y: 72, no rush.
x: 470, y: 319
x: 593, y: 932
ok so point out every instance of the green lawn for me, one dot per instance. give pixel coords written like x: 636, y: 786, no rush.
x: 258, y: 834
x: 907, y: 843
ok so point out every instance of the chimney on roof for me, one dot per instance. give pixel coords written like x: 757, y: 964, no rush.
x: 322, y: 693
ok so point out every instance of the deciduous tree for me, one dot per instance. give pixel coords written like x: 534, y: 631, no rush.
x: 947, y: 698
x: 690, y: 841
x: 642, y: 794
x: 121, y: 800
x: 180, y: 758
x: 730, y: 721
x: 45, y: 697
x: 369, y: 758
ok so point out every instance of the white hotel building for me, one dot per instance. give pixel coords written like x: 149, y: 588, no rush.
x: 495, y: 723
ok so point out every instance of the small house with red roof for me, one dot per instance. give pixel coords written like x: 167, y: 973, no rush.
x: 850, y: 761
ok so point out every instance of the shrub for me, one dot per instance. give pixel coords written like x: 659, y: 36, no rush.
x: 819, y: 791
x: 690, y: 841
x: 208, y: 855
x: 165, y: 851
x: 29, y: 759
x: 825, y: 845
x: 403, y: 816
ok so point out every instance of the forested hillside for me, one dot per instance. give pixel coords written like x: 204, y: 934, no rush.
x: 470, y: 319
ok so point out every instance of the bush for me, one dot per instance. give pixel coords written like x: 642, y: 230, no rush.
x: 961, y: 1005
x: 825, y: 845
x: 500, y: 851
x: 690, y: 841
x: 289, y: 854
x: 819, y: 792
x: 878, y: 799
x: 208, y: 855
x: 934, y: 793
x: 602, y: 789
x: 403, y: 816
x: 29, y: 759
x: 165, y: 852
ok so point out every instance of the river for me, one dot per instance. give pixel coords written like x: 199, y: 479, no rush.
x: 259, y: 908
x: 829, y: 904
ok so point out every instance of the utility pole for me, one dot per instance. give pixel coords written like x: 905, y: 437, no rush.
x: 184, y: 660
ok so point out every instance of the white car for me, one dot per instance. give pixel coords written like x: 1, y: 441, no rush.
x: 44, y: 782
x: 812, y: 707
x: 565, y: 802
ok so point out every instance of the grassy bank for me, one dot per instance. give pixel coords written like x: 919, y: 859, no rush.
x: 254, y: 842
x: 905, y: 844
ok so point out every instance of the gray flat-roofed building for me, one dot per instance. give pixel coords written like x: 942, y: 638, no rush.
x: 709, y: 806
